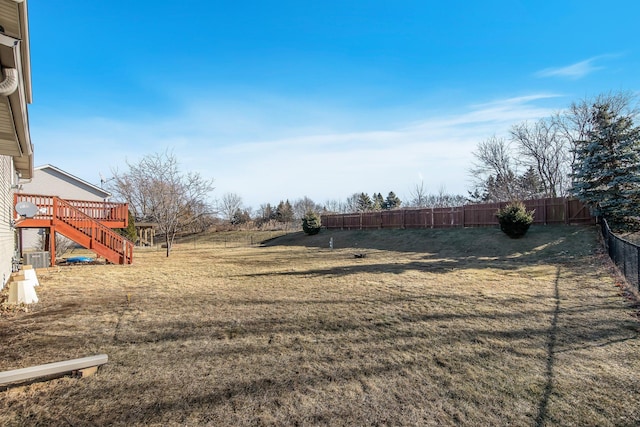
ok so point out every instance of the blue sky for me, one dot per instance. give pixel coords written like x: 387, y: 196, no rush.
x: 280, y: 100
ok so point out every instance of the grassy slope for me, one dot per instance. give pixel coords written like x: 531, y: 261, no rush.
x: 433, y: 327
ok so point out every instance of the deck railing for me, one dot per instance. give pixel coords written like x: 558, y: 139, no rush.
x: 100, y: 211
x: 68, y: 214
x: 87, y: 223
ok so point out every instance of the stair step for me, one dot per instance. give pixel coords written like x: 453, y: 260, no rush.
x: 74, y: 224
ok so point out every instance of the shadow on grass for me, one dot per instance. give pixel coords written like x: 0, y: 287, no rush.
x: 234, y: 394
x: 541, y: 243
x: 398, y: 332
x: 324, y: 339
x: 551, y: 356
x: 387, y: 325
x: 444, y: 329
x: 437, y: 264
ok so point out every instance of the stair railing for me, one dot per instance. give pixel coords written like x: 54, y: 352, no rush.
x: 68, y: 214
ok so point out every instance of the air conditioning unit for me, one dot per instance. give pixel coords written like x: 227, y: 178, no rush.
x: 37, y: 259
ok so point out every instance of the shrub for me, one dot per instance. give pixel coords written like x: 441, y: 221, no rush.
x: 514, y: 219
x: 129, y: 232
x: 311, y: 223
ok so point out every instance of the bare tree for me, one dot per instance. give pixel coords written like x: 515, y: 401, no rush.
x: 266, y: 212
x: 493, y: 157
x: 229, y: 205
x: 351, y: 204
x: 63, y: 245
x: 419, y: 196
x: 158, y: 191
x: 543, y: 147
x: 334, y: 206
x: 442, y: 199
x: 302, y: 206
x: 494, y: 169
x: 201, y: 217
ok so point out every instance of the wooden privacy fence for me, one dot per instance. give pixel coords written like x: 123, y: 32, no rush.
x: 557, y: 210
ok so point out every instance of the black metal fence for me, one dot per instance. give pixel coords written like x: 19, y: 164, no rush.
x: 625, y: 255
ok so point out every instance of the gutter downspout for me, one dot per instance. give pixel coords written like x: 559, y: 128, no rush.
x: 10, y: 82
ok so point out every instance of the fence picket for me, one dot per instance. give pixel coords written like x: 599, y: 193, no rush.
x: 557, y: 210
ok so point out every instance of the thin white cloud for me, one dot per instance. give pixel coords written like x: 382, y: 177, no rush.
x: 266, y: 164
x: 573, y: 71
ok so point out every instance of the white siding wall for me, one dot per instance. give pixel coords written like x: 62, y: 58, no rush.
x: 7, y: 234
x: 49, y: 182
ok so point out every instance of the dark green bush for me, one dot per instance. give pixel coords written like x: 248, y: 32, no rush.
x: 130, y: 232
x: 311, y: 223
x: 514, y: 219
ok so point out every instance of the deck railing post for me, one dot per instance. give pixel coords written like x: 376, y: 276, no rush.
x: 52, y: 232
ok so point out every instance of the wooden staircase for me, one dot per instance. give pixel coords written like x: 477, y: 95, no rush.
x: 86, y: 223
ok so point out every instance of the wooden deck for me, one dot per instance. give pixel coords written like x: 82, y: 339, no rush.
x: 86, y: 223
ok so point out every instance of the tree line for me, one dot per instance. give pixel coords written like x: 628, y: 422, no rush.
x: 591, y: 150
x: 231, y: 209
x: 537, y: 159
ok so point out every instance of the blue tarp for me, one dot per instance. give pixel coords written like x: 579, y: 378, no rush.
x: 79, y: 259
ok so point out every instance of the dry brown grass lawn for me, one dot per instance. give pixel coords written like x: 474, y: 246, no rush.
x: 432, y: 327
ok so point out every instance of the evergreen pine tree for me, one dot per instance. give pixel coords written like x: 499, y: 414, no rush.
x: 502, y: 187
x: 606, y: 173
x: 284, y: 212
x: 311, y: 223
x: 364, y: 203
x: 240, y: 217
x: 267, y: 212
x: 130, y: 232
x: 392, y: 201
x: 530, y: 185
x: 378, y: 202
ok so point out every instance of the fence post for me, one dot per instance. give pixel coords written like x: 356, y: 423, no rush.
x: 464, y: 216
x: 554, y: 211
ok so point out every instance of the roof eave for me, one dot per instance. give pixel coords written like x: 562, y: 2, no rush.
x: 80, y: 180
x: 19, y: 58
x: 18, y: 102
x: 25, y: 50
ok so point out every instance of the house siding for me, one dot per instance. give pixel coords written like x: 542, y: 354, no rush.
x: 7, y: 233
x: 50, y: 182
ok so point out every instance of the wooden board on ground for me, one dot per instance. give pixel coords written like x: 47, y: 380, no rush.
x: 85, y: 366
